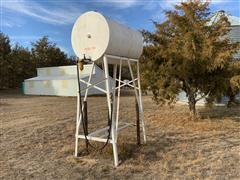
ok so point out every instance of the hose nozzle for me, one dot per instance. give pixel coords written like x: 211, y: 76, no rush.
x: 83, y: 61
x: 81, y: 64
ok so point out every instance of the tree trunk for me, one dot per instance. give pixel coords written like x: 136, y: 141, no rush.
x: 232, y: 100
x: 192, y: 105
x: 191, y: 99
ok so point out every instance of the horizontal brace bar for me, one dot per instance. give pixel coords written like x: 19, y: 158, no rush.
x: 99, y: 131
x: 121, y: 58
x: 121, y: 126
x: 124, y: 85
x: 124, y: 126
x: 128, y: 81
x: 95, y: 138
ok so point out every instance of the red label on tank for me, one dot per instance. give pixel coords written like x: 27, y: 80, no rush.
x: 89, y: 48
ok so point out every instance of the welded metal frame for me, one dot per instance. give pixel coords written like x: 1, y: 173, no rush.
x: 100, y: 134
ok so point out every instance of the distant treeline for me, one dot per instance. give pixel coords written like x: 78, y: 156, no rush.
x: 18, y: 63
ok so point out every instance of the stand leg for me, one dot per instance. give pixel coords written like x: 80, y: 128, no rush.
x: 77, y: 127
x: 137, y: 123
x: 79, y: 115
x: 118, y: 97
x: 114, y: 100
x: 140, y: 104
x: 115, y: 153
x: 76, y: 144
x: 85, y: 118
x: 138, y: 96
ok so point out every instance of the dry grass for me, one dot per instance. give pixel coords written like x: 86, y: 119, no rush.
x: 37, y: 141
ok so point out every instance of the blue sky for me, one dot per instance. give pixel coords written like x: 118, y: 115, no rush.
x: 25, y: 21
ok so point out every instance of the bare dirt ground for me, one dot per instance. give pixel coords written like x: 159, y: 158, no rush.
x: 37, y: 141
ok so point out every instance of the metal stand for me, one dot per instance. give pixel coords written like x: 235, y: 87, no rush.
x: 113, y: 104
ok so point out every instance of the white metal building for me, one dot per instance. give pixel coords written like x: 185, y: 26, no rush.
x: 234, y: 34
x: 62, y: 81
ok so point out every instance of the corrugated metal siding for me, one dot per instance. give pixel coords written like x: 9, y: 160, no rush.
x: 62, y: 81
x: 234, y: 35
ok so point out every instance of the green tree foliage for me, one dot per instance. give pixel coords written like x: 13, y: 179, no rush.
x: 233, y: 82
x: 21, y: 66
x: 46, y: 54
x: 5, y: 50
x: 5, y: 47
x: 188, y: 53
x: 18, y: 63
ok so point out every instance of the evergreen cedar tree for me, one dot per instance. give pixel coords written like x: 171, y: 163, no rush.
x: 47, y: 54
x: 5, y: 50
x: 18, y: 63
x: 188, y: 52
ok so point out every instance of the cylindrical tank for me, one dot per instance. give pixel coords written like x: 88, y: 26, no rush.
x: 94, y: 35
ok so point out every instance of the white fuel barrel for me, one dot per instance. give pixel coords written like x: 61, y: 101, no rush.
x: 94, y: 35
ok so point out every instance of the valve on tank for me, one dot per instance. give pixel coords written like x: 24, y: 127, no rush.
x: 83, y: 61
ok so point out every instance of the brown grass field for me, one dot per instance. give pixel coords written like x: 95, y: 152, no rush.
x: 37, y: 141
